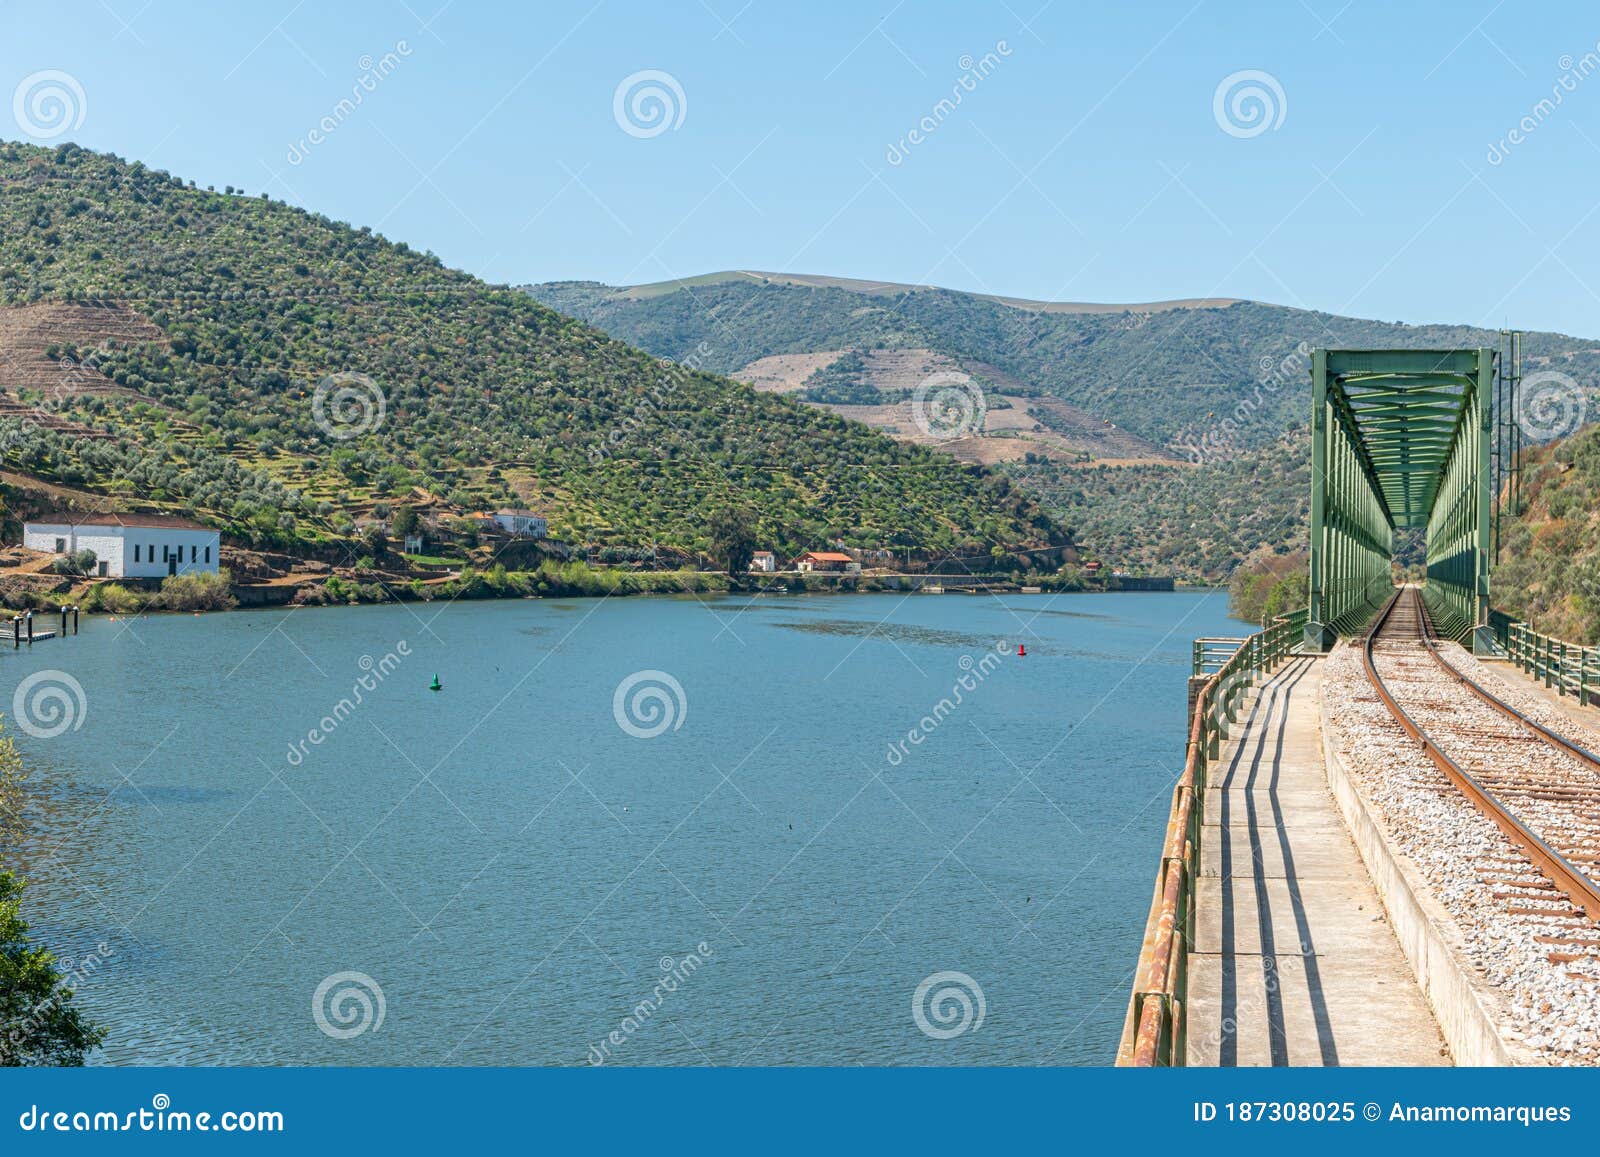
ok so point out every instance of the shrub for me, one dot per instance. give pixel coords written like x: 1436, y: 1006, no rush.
x: 115, y: 599
x: 79, y: 562
x: 198, y: 592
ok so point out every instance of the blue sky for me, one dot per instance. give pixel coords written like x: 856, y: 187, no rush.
x: 1089, y: 162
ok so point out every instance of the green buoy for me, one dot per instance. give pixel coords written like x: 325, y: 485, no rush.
x: 436, y: 685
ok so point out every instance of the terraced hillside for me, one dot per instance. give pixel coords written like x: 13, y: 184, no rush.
x: 279, y: 374
x: 879, y: 387
x: 1169, y: 372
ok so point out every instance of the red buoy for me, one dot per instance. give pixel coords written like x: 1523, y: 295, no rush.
x: 1021, y: 651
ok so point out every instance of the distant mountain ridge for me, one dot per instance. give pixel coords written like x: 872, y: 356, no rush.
x: 895, y: 289
x: 1169, y: 372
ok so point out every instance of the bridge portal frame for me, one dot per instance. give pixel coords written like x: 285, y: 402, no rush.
x: 1400, y: 439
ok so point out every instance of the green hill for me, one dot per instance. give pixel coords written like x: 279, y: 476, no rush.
x: 1169, y: 372
x: 176, y: 347
x: 1196, y: 522
x: 1218, y: 382
x: 1549, y: 567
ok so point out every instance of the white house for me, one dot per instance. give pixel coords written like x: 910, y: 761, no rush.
x: 521, y: 523
x: 130, y: 545
x: 826, y: 560
x: 764, y: 561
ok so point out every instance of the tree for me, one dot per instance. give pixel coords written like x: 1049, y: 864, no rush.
x: 38, y: 1026
x: 79, y: 562
x: 12, y: 773
x: 405, y: 522
x: 733, y: 538
x: 376, y: 542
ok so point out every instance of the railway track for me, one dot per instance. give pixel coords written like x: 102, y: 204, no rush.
x: 1537, y: 786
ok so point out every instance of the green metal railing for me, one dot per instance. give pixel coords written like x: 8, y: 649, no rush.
x: 1569, y: 668
x: 1211, y: 653
x: 1155, y: 1031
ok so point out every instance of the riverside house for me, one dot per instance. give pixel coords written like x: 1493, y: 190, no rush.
x: 129, y: 545
x: 825, y: 560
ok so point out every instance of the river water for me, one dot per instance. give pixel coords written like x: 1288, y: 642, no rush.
x: 648, y: 831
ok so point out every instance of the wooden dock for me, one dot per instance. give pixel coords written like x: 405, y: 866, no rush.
x: 20, y: 629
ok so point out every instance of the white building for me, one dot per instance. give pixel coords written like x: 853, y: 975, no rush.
x: 522, y: 523
x: 130, y: 545
x: 764, y: 561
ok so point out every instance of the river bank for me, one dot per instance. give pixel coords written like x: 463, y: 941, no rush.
x: 551, y: 580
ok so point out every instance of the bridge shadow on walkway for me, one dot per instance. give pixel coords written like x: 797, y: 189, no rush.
x: 1293, y: 962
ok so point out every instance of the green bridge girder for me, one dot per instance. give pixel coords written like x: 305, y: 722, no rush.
x: 1400, y: 439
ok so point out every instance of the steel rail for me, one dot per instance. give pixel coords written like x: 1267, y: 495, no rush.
x: 1554, y: 738
x: 1572, y: 883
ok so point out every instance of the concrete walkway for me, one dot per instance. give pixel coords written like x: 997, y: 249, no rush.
x: 1294, y: 961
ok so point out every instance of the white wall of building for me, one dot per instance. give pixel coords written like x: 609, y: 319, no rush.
x: 529, y: 525
x: 160, y: 550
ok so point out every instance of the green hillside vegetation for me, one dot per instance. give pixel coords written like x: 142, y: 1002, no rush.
x: 488, y: 397
x: 1270, y: 585
x: 1225, y: 387
x: 1198, y: 523
x: 1549, y: 568
x: 1169, y: 376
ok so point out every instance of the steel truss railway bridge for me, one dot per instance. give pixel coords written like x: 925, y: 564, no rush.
x: 1402, y: 441
x: 1285, y: 927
